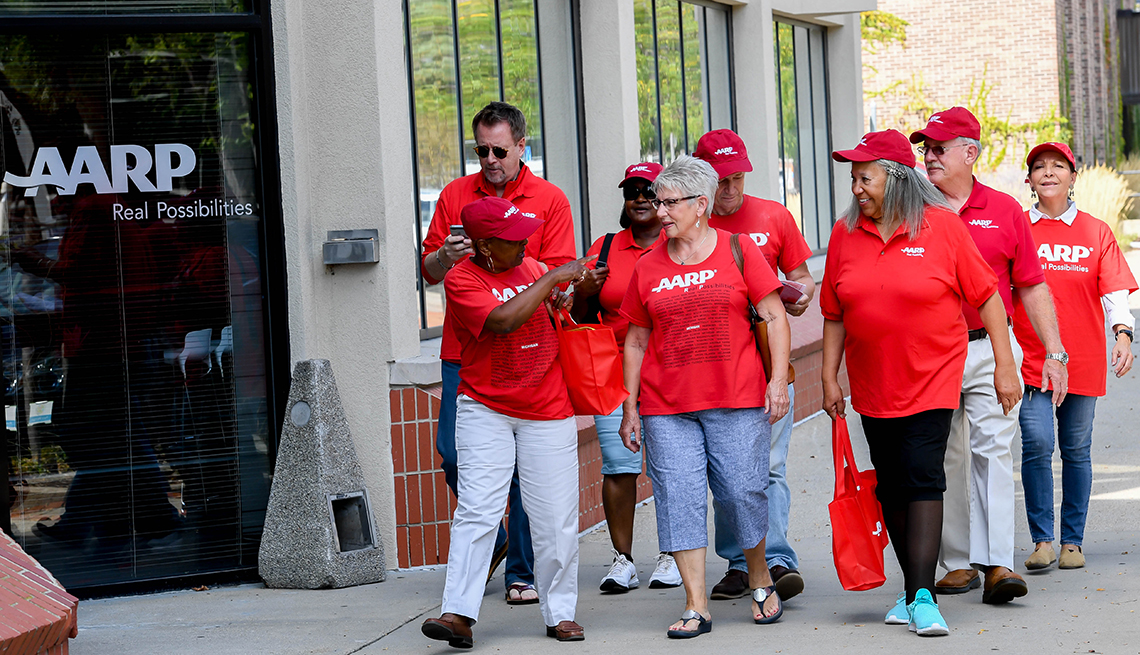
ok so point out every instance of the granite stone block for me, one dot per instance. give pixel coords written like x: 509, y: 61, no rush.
x: 300, y: 548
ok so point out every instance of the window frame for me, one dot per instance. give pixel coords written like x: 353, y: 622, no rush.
x: 575, y: 28
x: 829, y: 191
x: 704, y: 45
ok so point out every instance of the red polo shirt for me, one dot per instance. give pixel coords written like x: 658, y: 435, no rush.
x: 516, y: 374
x: 1081, y: 263
x: 552, y: 244
x: 772, y: 227
x: 901, y: 305
x: 1000, y: 229
x: 701, y: 352
x: 623, y: 256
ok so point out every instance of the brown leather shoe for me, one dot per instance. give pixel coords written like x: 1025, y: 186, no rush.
x: 450, y: 628
x: 566, y: 631
x: 789, y: 583
x: 1002, y: 586
x: 734, y: 584
x: 958, y: 581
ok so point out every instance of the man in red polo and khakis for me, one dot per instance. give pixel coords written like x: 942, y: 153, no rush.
x: 773, y: 229
x: 978, y: 518
x: 500, y: 142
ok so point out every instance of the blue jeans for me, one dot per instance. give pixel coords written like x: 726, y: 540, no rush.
x: 520, y: 555
x: 1074, y: 434
x: 777, y: 550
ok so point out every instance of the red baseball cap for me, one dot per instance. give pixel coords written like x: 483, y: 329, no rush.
x: 888, y: 144
x: 1053, y: 146
x: 646, y: 170
x: 724, y: 150
x: 949, y: 124
x: 492, y: 217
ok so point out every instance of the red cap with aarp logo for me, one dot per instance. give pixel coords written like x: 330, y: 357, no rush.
x: 949, y: 124
x: 888, y: 144
x: 493, y: 217
x: 1054, y: 147
x: 646, y: 170
x: 724, y: 150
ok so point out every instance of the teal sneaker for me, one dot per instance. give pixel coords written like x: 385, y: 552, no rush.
x: 898, y: 614
x: 925, y: 619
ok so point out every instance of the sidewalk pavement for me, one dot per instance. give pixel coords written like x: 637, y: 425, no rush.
x: 1090, y: 610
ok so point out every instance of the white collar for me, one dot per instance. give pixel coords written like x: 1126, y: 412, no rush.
x: 1068, y: 217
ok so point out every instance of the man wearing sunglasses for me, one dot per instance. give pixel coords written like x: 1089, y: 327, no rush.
x: 500, y: 144
x: 771, y: 226
x: 978, y: 519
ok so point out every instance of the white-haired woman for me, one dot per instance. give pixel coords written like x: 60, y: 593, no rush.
x: 1097, y: 284
x: 899, y: 266
x: 692, y: 366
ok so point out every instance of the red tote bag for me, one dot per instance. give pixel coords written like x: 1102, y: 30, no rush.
x: 591, y: 366
x: 858, y: 533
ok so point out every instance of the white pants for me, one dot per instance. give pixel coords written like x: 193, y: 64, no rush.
x: 487, y: 444
x: 977, y: 515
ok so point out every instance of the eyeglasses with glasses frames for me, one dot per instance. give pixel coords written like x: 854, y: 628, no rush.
x: 670, y: 202
x: 632, y: 191
x: 938, y: 151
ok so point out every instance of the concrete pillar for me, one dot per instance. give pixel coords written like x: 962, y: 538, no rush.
x: 845, y: 89
x: 610, y: 78
x: 346, y: 163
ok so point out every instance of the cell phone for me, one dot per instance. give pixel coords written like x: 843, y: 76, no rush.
x: 457, y: 231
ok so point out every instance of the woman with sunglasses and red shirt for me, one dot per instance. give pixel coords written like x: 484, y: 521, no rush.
x: 603, y: 291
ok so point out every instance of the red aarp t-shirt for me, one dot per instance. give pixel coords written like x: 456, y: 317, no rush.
x: 516, y: 374
x: 1000, y: 230
x: 1081, y: 263
x: 623, y: 256
x: 552, y: 244
x: 900, y: 303
x: 772, y: 228
x: 701, y: 353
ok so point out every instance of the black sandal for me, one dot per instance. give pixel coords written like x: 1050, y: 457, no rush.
x: 703, y: 625
x: 762, y: 594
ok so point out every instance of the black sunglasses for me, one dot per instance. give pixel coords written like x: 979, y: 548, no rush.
x: 632, y: 191
x: 483, y: 151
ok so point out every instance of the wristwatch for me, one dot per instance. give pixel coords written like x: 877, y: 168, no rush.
x: 1062, y: 357
x: 1125, y: 331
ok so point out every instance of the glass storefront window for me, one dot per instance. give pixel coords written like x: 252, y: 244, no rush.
x: 131, y: 304
x: 804, y: 144
x: 683, y: 87
x: 491, y: 48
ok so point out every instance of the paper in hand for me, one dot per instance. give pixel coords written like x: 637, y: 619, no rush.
x: 792, y: 292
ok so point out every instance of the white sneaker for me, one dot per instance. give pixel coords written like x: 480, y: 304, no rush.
x: 666, y: 574
x: 622, y: 576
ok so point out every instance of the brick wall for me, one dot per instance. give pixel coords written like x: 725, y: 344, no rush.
x: 39, y: 617
x: 424, y: 504
x: 1009, y: 43
x: 1035, y: 55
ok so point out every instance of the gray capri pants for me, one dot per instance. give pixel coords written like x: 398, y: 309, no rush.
x: 725, y: 449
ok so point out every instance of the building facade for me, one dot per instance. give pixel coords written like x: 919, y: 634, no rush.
x: 1050, y: 72
x: 172, y: 171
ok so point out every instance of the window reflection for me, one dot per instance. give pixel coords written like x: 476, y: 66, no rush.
x: 132, y: 316
x: 683, y: 75
x: 804, y: 144
x: 83, y: 7
x: 494, y: 45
